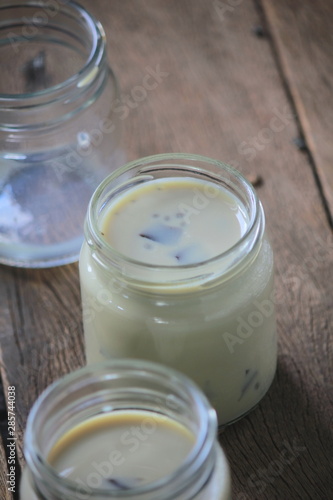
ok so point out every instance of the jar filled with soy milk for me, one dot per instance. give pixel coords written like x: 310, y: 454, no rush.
x: 177, y: 268
x: 123, y: 430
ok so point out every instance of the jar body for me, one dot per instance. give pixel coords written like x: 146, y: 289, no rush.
x: 116, y: 388
x: 215, y: 488
x: 217, y: 325
x: 59, y: 136
x: 224, y: 338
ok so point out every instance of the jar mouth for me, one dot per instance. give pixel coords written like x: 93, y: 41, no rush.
x: 141, y: 170
x: 62, y: 26
x: 61, y: 396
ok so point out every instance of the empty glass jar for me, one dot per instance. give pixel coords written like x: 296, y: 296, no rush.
x: 59, y: 136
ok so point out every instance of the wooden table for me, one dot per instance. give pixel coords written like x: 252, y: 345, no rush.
x: 250, y: 83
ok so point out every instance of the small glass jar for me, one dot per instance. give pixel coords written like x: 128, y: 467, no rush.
x: 113, y: 388
x: 214, y: 320
x: 59, y: 134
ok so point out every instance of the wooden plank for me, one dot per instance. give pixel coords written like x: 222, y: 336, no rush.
x: 5, y: 494
x: 40, y: 332
x: 219, y: 94
x: 302, y: 32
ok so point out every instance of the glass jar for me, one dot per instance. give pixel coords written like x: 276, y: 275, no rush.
x: 112, y: 388
x: 213, y: 320
x: 59, y: 135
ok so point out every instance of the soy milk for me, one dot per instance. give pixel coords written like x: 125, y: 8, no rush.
x: 123, y: 429
x: 123, y: 451
x: 179, y: 270
x: 174, y: 222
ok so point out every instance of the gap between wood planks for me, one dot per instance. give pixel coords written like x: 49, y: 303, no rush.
x: 266, y: 32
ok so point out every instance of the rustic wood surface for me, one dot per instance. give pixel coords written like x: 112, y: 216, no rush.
x: 232, y: 87
x: 303, y: 36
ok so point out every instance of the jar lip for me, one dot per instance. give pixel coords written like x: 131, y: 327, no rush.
x: 204, y: 439
x: 87, y: 72
x: 94, y: 237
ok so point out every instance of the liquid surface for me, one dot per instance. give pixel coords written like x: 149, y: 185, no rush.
x: 121, y: 450
x: 174, y: 222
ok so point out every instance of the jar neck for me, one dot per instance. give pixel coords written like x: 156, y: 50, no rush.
x: 183, y: 277
x: 45, y: 97
x: 119, y: 385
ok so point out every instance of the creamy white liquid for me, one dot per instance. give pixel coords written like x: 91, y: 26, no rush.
x: 174, y: 222
x: 223, y: 336
x: 121, y: 450
x: 127, y: 449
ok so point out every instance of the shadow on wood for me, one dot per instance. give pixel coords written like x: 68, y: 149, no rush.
x: 289, y: 453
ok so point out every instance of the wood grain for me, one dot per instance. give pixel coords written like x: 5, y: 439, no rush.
x: 302, y: 32
x: 219, y: 94
x: 40, y: 332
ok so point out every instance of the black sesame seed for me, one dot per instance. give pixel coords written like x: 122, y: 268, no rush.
x: 147, y: 236
x: 120, y: 484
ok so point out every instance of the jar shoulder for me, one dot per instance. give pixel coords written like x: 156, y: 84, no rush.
x: 249, y: 284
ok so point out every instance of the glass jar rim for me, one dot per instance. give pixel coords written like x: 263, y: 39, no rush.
x: 84, y: 75
x: 106, y: 252
x: 204, y: 440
